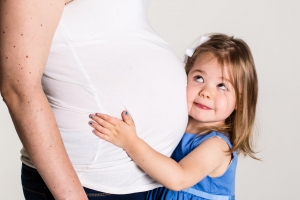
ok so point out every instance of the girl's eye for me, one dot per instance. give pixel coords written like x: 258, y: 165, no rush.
x: 199, y: 79
x: 222, y: 86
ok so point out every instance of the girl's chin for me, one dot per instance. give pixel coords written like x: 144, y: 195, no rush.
x: 202, y: 122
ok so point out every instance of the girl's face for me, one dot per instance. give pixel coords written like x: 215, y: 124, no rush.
x: 210, y: 95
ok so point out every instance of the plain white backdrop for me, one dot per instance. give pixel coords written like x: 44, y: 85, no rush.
x: 272, y: 30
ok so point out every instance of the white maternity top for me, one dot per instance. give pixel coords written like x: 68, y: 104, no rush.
x: 106, y: 58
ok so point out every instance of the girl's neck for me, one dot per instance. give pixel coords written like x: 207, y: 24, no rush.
x: 196, y: 127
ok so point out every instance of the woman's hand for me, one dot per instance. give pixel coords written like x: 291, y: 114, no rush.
x: 118, y: 132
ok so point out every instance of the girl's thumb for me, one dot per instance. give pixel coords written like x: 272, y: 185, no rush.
x: 127, y: 117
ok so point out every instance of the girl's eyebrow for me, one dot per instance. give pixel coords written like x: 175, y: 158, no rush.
x: 198, y: 70
x: 227, y: 80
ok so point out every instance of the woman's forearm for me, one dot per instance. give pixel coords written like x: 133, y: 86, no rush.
x: 27, y: 28
x: 37, y: 129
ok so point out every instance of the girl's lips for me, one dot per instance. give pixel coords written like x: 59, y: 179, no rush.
x: 202, y: 106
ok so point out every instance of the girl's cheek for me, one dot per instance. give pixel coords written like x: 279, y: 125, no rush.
x: 190, y: 97
x: 189, y: 106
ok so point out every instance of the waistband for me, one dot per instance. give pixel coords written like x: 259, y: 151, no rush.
x: 207, y: 195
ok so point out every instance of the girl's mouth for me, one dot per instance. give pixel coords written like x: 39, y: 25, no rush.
x: 202, y: 106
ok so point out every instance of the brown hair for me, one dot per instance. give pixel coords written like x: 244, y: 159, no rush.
x: 236, y: 55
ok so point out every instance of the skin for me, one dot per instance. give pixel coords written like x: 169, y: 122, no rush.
x: 211, y: 99
x: 210, y: 95
x: 27, y: 28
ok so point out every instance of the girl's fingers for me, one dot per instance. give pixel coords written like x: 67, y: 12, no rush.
x: 99, y: 128
x: 127, y: 117
x: 98, y: 118
x: 101, y: 135
x: 112, y: 120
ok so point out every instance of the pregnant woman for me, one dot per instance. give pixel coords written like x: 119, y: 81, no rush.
x: 61, y: 62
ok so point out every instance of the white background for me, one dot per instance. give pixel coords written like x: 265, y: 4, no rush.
x: 272, y: 30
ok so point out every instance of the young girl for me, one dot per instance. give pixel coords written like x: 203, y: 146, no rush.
x: 221, y: 95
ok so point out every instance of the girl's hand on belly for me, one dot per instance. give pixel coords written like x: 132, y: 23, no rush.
x: 121, y: 133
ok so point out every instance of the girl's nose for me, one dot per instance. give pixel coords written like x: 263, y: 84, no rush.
x: 204, y: 94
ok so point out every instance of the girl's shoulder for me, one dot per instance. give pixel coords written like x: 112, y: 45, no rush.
x: 198, y: 139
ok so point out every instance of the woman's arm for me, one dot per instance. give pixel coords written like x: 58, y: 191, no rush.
x: 204, y: 160
x: 27, y: 28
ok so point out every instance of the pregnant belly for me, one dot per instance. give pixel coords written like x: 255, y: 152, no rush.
x: 136, y: 71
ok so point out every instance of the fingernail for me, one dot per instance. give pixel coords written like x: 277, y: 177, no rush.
x: 90, y: 123
x: 94, y: 131
x: 98, y: 114
x: 91, y: 116
x: 126, y: 113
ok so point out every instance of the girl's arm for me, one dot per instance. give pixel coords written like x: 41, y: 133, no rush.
x: 202, y: 161
x: 27, y: 28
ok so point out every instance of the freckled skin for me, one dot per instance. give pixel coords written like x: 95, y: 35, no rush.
x: 15, y: 15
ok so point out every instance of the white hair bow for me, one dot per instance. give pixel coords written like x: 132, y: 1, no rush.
x: 189, y: 52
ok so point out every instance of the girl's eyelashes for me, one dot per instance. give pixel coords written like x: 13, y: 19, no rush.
x: 199, y: 79
x: 222, y: 86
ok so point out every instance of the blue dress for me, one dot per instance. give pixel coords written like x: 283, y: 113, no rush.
x: 213, y: 188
